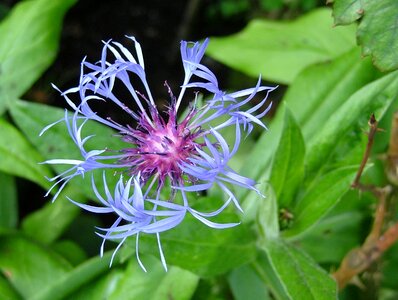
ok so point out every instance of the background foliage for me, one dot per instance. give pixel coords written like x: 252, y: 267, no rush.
x: 332, y: 79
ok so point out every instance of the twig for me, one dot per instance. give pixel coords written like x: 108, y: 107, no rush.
x: 373, y: 129
x: 392, y: 154
x: 359, y: 259
x: 376, y: 243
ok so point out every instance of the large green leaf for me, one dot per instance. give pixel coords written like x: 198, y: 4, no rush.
x: 29, y: 267
x: 71, y: 251
x: 320, y: 198
x: 377, y: 30
x: 280, y: 50
x: 343, y: 229
x: 7, y: 291
x: 8, y: 201
x: 18, y: 157
x: 297, y: 274
x: 66, y: 284
x: 29, y: 42
x: 100, y: 287
x: 60, y: 214
x: 312, y: 101
x: 174, y: 284
x: 378, y: 33
x: 267, y: 212
x: 246, y: 284
x: 347, y: 123
x: 347, y: 11
x: 288, y: 164
x: 202, y: 250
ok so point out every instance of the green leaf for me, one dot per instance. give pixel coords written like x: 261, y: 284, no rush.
x: 348, y: 122
x: 265, y: 269
x: 343, y: 229
x: 340, y: 79
x: 378, y: 33
x: 66, y: 284
x: 29, y: 267
x: 280, y: 50
x: 59, y: 214
x: 29, y: 42
x: 176, y: 283
x: 389, y: 268
x: 347, y: 11
x: 18, y: 157
x: 71, y: 251
x: 320, y: 198
x: 8, y: 202
x: 195, y: 247
x: 288, y: 164
x: 246, y: 284
x: 267, y: 212
x: 299, y: 276
x: 31, y: 118
x: 7, y: 291
x: 99, y: 288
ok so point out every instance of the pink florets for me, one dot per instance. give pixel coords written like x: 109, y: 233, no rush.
x: 160, y: 148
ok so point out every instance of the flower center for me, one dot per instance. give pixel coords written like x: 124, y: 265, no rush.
x: 161, y: 148
x: 167, y: 147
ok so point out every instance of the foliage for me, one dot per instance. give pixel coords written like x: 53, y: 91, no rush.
x: 377, y: 30
x: 305, y: 163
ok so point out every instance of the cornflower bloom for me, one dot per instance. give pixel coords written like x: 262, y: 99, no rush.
x: 184, y: 153
x: 133, y: 218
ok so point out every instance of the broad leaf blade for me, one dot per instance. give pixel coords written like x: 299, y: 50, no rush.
x: 320, y: 198
x: 378, y: 33
x: 7, y: 291
x: 60, y: 214
x: 348, y: 122
x: 285, y: 48
x: 18, y: 157
x: 288, y: 164
x: 344, y: 229
x: 99, y: 288
x: 340, y: 79
x: 246, y: 284
x: 267, y: 212
x: 298, y: 274
x: 65, y: 284
x: 347, y: 11
x: 8, y: 201
x: 29, y: 42
x: 175, y: 284
x: 202, y: 250
x: 29, y: 267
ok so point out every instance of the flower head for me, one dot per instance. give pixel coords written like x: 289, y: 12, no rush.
x: 184, y: 152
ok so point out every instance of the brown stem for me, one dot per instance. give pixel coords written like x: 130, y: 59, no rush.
x: 392, y: 154
x: 388, y: 238
x: 359, y: 259
x: 373, y: 129
x: 393, y: 147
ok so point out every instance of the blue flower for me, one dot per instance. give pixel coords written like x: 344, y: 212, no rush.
x: 137, y: 214
x: 184, y: 153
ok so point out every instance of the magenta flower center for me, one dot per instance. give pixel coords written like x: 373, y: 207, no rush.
x: 161, y: 147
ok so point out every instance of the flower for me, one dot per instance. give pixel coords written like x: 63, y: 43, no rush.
x: 187, y: 153
x: 132, y: 211
x: 137, y: 218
